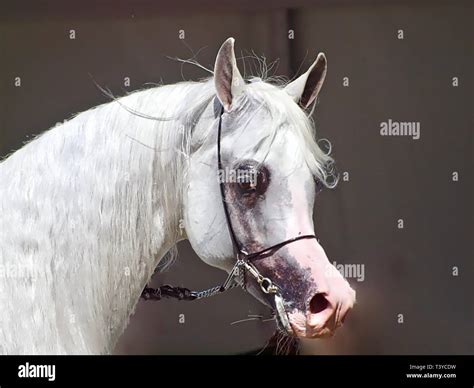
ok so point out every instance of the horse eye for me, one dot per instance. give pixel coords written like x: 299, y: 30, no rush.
x: 247, y: 179
x: 252, y: 179
x: 262, y: 180
x: 246, y: 186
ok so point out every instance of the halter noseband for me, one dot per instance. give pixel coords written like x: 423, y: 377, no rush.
x: 244, y: 260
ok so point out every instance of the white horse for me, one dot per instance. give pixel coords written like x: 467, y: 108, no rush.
x: 90, y: 207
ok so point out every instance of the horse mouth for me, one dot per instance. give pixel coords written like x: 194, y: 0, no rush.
x: 293, y: 324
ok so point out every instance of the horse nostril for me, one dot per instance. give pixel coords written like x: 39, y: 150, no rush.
x: 318, y: 303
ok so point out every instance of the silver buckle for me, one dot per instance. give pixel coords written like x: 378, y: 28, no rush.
x: 266, y: 285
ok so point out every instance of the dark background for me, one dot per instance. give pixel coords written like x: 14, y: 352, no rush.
x: 407, y: 271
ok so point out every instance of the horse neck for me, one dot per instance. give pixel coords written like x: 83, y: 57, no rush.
x: 100, y: 197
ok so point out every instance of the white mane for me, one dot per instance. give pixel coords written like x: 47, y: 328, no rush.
x: 90, y: 207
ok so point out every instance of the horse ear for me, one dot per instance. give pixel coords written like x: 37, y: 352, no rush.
x: 306, y: 87
x: 227, y: 79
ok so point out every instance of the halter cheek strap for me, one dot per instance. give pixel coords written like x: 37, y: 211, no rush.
x: 244, y: 261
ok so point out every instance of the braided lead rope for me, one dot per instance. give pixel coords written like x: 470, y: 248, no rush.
x: 181, y: 293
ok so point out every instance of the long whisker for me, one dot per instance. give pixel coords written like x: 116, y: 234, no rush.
x: 263, y: 349
x: 279, y: 346
x: 288, y: 344
x: 285, y: 344
x: 245, y: 320
x: 285, y: 347
x: 253, y: 317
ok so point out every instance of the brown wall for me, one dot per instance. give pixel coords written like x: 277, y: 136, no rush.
x: 407, y: 271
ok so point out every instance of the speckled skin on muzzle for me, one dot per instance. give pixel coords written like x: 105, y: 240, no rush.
x: 294, y: 281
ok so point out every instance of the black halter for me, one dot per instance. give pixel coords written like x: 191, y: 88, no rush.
x: 244, y: 260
